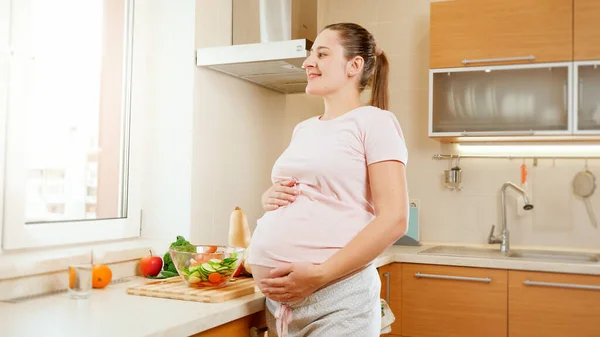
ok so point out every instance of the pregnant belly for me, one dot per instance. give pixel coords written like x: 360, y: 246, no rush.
x: 304, y: 231
x: 259, y: 273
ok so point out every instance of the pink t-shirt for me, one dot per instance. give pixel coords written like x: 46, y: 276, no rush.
x: 329, y: 158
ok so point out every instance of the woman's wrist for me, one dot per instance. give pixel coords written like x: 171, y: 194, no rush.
x: 326, y: 273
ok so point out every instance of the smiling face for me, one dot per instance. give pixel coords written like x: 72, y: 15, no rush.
x: 327, y: 68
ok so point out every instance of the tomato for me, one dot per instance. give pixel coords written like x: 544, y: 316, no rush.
x: 239, y: 270
x: 211, y: 249
x: 214, y: 278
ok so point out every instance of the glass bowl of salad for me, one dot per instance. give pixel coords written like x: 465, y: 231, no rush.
x: 207, y: 265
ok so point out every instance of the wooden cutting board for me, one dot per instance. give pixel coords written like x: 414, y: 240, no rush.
x: 175, y: 288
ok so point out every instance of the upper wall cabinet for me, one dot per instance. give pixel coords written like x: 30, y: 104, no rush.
x: 587, y: 97
x: 516, y: 100
x: 500, y: 32
x: 587, y: 30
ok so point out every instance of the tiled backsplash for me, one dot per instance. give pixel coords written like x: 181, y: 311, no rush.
x: 558, y: 219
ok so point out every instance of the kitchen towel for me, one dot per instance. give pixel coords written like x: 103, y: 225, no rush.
x: 387, y: 318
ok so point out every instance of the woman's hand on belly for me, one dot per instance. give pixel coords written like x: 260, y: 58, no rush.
x: 292, y: 282
x: 280, y: 194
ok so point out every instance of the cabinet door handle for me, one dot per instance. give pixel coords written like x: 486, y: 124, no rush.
x: 561, y: 285
x: 458, y: 278
x: 500, y: 59
x: 566, y: 97
x: 580, y: 94
x: 502, y: 133
x: 387, y: 287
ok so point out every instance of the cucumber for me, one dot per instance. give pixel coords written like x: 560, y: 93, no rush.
x: 208, y: 267
x: 193, y: 279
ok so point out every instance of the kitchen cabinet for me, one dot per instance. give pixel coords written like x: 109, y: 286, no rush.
x: 465, y: 33
x: 587, y: 97
x: 450, y: 301
x: 550, y: 304
x: 391, y: 292
x: 237, y: 328
x: 513, y: 100
x: 586, y: 25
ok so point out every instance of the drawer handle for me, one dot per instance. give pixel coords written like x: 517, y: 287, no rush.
x: 500, y: 59
x: 561, y: 285
x: 501, y: 133
x: 459, y: 278
x: 387, y: 286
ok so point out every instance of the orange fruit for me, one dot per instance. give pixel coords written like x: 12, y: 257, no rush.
x: 101, y: 276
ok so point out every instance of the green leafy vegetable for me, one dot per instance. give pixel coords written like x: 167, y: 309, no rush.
x: 168, y: 264
x: 167, y: 273
x: 169, y: 269
x: 183, y: 245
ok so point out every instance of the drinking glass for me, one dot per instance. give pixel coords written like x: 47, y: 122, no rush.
x: 80, y: 281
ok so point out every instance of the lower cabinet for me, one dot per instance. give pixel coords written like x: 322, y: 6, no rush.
x: 391, y: 292
x: 446, y: 301
x: 552, y: 304
x: 451, y: 301
x: 238, y: 328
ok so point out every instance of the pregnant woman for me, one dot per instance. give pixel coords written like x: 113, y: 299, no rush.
x: 338, y: 199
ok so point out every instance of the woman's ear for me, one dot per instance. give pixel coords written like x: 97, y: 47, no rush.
x: 354, y: 66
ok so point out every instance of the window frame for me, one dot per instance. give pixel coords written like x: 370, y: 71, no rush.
x: 19, y: 235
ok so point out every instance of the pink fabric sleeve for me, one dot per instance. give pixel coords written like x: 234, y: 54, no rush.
x: 383, y: 139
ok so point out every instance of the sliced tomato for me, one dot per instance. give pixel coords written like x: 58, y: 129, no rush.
x: 214, y: 278
x: 211, y: 249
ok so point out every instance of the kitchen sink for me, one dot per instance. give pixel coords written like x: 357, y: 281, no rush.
x: 524, y: 254
x: 462, y: 251
x: 554, y: 256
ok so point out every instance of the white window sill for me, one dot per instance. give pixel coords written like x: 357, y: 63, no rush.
x: 30, y: 263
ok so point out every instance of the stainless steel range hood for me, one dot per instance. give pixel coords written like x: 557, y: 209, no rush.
x: 276, y: 61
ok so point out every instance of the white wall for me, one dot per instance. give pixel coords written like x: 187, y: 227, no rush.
x: 4, y: 39
x: 164, y: 92
x: 237, y: 136
x: 211, y: 138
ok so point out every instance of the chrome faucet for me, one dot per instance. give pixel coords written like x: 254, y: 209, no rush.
x: 503, y: 239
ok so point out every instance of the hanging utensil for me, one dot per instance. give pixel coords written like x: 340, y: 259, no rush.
x: 453, y: 176
x: 524, y: 176
x: 584, y: 185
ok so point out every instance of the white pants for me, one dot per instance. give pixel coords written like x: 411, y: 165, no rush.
x: 347, y: 308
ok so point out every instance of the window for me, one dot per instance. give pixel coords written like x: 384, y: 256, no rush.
x: 65, y: 80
